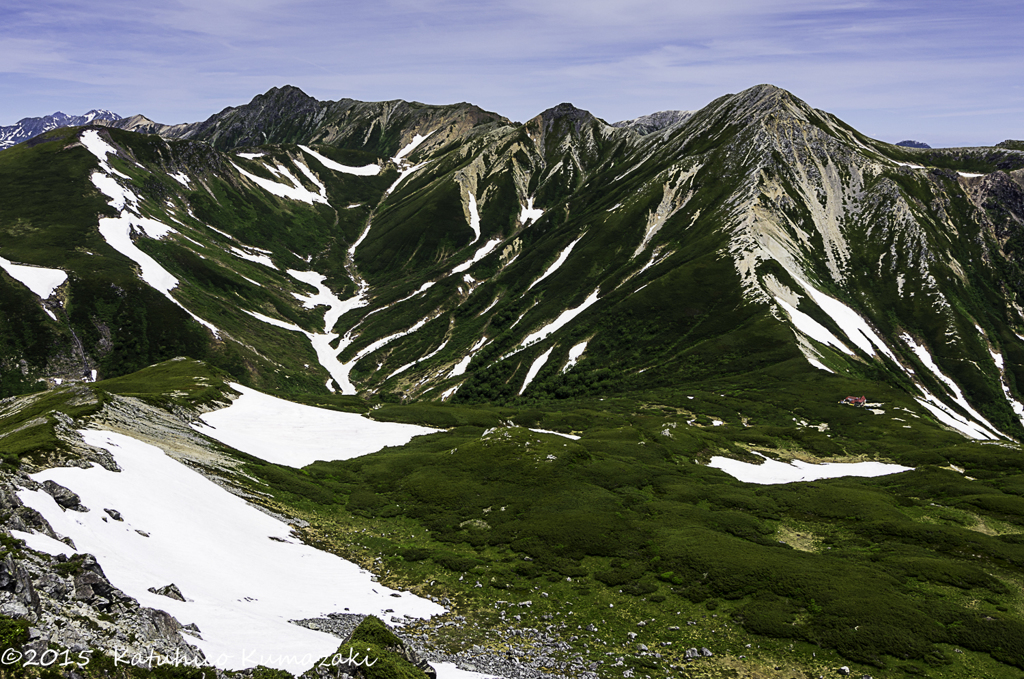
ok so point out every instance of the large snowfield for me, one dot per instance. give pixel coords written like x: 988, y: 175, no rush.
x: 296, y: 435
x: 242, y: 573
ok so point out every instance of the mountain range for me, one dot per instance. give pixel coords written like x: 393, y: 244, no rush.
x: 26, y: 128
x: 679, y: 290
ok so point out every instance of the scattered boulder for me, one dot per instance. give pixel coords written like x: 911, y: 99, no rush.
x: 170, y: 591
x: 114, y: 514
x: 64, y: 497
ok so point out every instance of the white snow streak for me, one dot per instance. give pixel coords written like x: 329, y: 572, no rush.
x: 534, y: 369
x: 574, y: 437
x: 979, y: 429
x: 259, y: 259
x: 855, y: 327
x: 405, y: 173
x: 410, y: 147
x: 811, y: 327
x: 574, y: 355
x: 482, y: 252
x: 284, y: 325
x: 460, y: 367
x: 364, y: 171
x: 820, y: 366
x: 295, y: 191
x: 117, y: 231
x: 326, y: 354
x: 181, y: 178
x: 558, y: 262
x: 1015, y: 405
x: 92, y: 140
x: 563, y: 319
x: 474, y: 219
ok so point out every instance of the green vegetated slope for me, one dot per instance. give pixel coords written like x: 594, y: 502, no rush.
x: 627, y: 524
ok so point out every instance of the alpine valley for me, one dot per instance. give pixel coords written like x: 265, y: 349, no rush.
x: 548, y: 398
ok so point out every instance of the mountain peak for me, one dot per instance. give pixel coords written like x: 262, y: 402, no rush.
x: 560, y: 116
x: 565, y: 110
x: 284, y: 95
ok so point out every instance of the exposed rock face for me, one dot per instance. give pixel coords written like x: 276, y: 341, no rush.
x: 654, y: 122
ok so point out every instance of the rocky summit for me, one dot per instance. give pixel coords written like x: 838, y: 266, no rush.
x: 730, y: 391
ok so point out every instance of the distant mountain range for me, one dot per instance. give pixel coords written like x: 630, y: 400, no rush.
x: 26, y: 128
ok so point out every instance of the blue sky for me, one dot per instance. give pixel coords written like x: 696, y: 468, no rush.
x: 948, y: 73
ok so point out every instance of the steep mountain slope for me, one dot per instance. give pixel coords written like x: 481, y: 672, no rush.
x: 480, y: 259
x: 26, y: 128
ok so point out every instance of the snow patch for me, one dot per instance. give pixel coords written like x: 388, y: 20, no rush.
x: 574, y: 437
x: 40, y: 280
x: 405, y: 173
x: 819, y: 365
x: 92, y: 140
x: 460, y: 367
x: 482, y: 252
x: 530, y: 214
x: 43, y: 543
x: 773, y: 472
x: 979, y: 429
x: 241, y: 586
x: 410, y: 147
x: 296, y: 435
x: 811, y: 327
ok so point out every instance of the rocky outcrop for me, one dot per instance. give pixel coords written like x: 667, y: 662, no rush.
x: 68, y: 601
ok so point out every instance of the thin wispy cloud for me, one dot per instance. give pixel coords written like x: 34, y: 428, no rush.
x: 941, y: 71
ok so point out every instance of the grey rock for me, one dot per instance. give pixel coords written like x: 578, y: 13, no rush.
x: 64, y: 497
x: 170, y: 591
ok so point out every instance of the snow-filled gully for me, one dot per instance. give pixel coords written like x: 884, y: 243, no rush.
x: 862, y: 336
x: 117, y: 231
